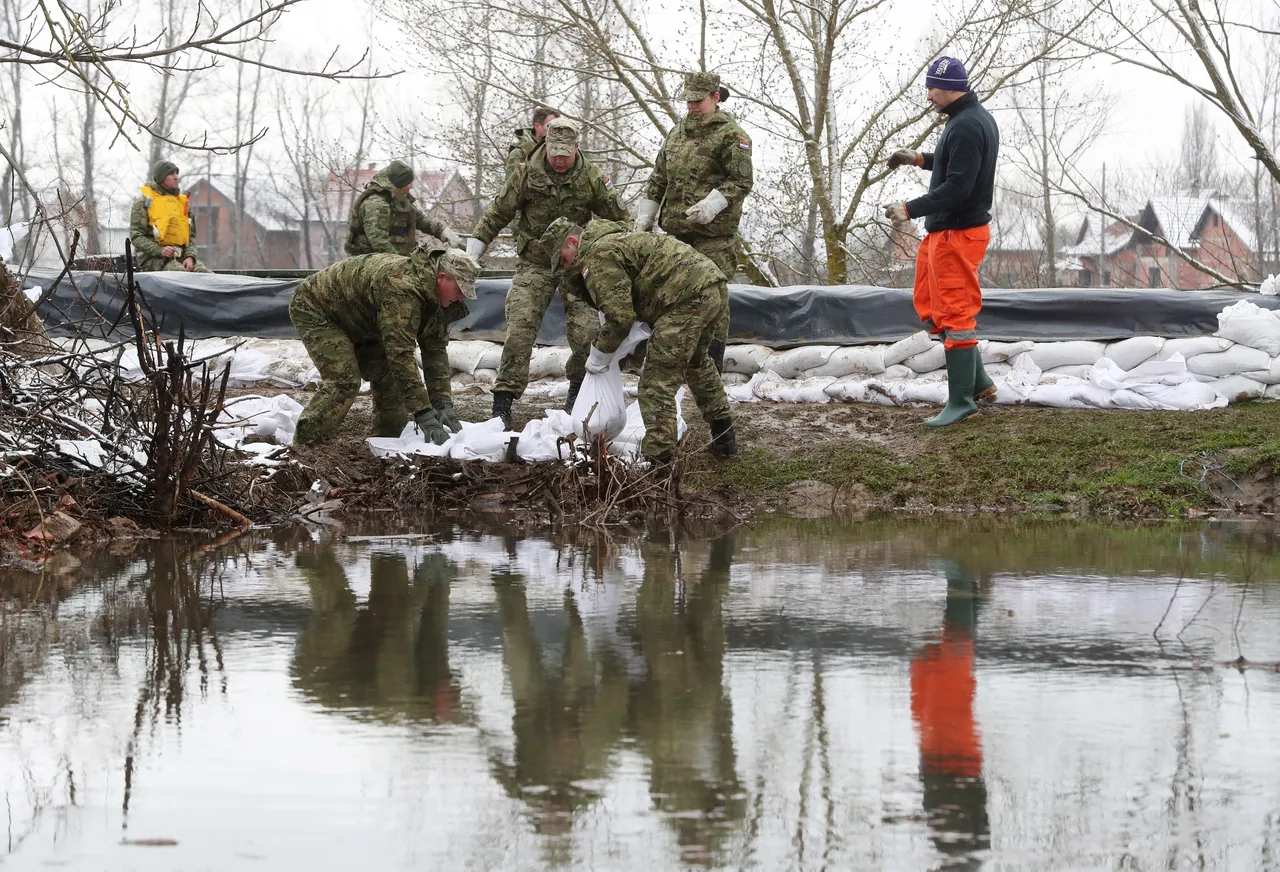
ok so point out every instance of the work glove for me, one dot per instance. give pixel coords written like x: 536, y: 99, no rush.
x: 430, y: 426
x: 598, y: 361
x: 897, y: 213
x: 454, y: 240
x: 444, y: 412
x: 904, y: 157
x: 705, y: 210
x: 646, y: 211
x: 475, y: 248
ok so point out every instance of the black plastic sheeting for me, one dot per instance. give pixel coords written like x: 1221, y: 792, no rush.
x: 216, y: 305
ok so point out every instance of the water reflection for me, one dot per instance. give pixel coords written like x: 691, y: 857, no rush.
x: 796, y: 695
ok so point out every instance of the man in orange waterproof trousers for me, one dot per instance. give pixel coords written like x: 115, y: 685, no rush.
x: 956, y: 213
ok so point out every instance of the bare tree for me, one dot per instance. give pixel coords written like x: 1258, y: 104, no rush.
x: 1199, y: 167
x: 12, y: 17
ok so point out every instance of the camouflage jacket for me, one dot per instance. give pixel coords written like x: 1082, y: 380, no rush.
x: 387, y: 298
x: 146, y: 250
x: 536, y: 195
x: 520, y: 150
x: 634, y: 277
x: 383, y: 219
x: 699, y: 155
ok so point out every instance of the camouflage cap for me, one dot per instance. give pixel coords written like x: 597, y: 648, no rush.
x: 562, y: 137
x: 553, y: 238
x: 399, y: 173
x: 699, y: 85
x: 463, y: 268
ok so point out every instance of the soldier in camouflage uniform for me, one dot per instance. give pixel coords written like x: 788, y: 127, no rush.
x: 529, y: 138
x: 556, y: 181
x: 700, y: 179
x: 362, y: 317
x: 173, y: 246
x: 385, y: 216
x: 679, y: 293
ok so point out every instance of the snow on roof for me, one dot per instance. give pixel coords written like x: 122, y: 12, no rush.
x: 1176, y: 218
x: 1115, y: 237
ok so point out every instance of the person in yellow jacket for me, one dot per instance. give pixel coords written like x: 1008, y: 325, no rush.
x: 160, y: 226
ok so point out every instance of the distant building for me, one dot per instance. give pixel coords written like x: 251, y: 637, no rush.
x: 229, y: 238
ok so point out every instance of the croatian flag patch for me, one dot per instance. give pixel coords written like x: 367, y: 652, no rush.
x: 744, y: 145
x: 585, y: 271
x: 608, y: 184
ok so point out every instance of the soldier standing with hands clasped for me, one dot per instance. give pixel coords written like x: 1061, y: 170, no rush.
x: 956, y: 212
x: 700, y: 179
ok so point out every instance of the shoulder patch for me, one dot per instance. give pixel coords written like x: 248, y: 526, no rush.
x: 743, y: 144
x: 608, y: 183
x: 585, y: 271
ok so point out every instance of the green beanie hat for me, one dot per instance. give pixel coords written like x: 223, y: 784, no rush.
x: 400, y: 173
x: 161, y: 171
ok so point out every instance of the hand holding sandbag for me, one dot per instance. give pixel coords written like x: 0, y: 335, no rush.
x: 598, y: 361
x: 432, y: 430
x: 448, y: 418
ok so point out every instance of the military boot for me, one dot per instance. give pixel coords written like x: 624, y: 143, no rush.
x: 660, y: 465
x: 575, y: 385
x: 961, y: 371
x: 723, y: 443
x: 715, y: 351
x: 502, y: 407
x: 983, y: 387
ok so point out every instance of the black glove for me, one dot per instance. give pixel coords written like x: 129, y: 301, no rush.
x: 444, y: 411
x: 430, y: 426
x: 903, y: 157
x: 715, y: 351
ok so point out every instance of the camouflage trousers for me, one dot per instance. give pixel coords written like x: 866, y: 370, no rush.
x: 167, y: 264
x: 342, y: 364
x: 678, y: 355
x: 532, y: 288
x: 723, y: 252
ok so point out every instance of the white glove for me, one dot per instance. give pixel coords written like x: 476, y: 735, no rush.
x: 598, y: 361
x: 454, y: 240
x: 705, y: 210
x: 646, y: 211
x: 475, y: 248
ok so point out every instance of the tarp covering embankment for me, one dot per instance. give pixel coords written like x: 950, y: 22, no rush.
x: 216, y: 305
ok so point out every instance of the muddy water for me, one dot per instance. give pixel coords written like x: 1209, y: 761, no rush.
x: 800, y: 695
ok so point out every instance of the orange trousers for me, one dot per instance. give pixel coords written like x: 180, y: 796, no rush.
x: 947, y: 296
x: 942, y: 691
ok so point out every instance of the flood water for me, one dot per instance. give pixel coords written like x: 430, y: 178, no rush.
x: 795, y: 695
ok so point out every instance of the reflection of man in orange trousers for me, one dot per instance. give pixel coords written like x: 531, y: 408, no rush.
x: 956, y: 213
x: 942, y: 691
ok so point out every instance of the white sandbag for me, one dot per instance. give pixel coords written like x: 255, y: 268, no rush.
x: 1108, y: 374
x: 794, y: 361
x: 851, y: 360
x: 540, y: 438
x: 997, y: 370
x: 1128, y: 353
x: 628, y: 443
x: 859, y: 389
x: 746, y: 359
x: 462, y: 380
x: 1270, y: 286
x: 909, y: 347
x: 744, y: 393
x: 465, y: 354
x: 487, y: 441
x: 601, y: 407
x: 734, y: 378
x: 491, y: 358
x: 1050, y: 355
x: 1233, y: 361
x: 998, y: 352
x: 1272, y: 392
x: 1268, y: 376
x: 1237, y: 388
x: 933, y: 393
x: 485, y: 376
x: 1022, y: 378
x: 1076, y: 371
x: 927, y: 361
x: 548, y: 362
x: 810, y: 390
x: 897, y: 372
x: 1249, y: 324
x: 1190, y: 346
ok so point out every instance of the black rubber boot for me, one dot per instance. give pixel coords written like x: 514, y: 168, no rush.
x: 660, y: 466
x: 960, y: 374
x: 502, y: 407
x: 983, y: 387
x: 715, y: 351
x: 723, y: 442
x: 575, y: 385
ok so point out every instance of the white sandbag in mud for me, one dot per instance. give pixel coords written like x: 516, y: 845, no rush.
x: 999, y: 352
x: 548, y: 362
x: 933, y: 393
x: 734, y: 378
x: 485, y: 376
x: 744, y: 393
x: 1190, y: 346
x: 1128, y: 353
x: 997, y: 370
x: 1077, y: 371
x: 794, y: 361
x: 1271, y: 393
x: 1248, y: 324
x: 1268, y: 376
x: 927, y: 361
x: 1233, y: 361
x: 746, y: 359
x: 1237, y: 388
x: 465, y: 354
x: 851, y: 360
x: 779, y: 390
x: 860, y: 389
x: 1050, y: 355
x: 897, y: 372
x: 909, y: 347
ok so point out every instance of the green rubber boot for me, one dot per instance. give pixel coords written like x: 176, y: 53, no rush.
x: 961, y: 370
x: 983, y: 387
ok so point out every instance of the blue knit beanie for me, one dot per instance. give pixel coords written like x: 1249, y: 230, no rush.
x: 948, y: 74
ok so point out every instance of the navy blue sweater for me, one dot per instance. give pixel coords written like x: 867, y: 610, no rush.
x: 964, y: 170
